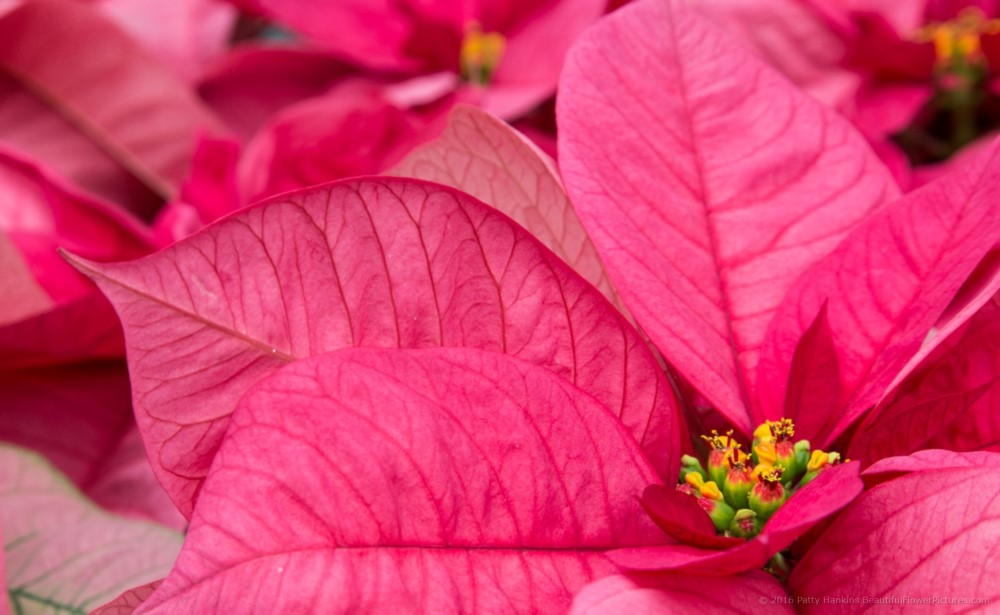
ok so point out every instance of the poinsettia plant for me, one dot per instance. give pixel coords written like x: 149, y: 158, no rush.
x: 712, y: 360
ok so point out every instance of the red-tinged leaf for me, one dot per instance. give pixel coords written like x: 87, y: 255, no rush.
x: 814, y: 381
x: 704, y: 213
x: 946, y: 403
x: 981, y: 286
x: 252, y: 83
x: 464, y: 481
x: 129, y: 601
x: 925, y: 535
x: 352, y: 130
x: 826, y: 494
x: 926, y: 460
x: 22, y: 296
x: 887, y: 284
x: 95, y: 105
x: 483, y: 156
x: 73, y: 415
x: 62, y: 553
x: 371, y: 262
x: 649, y: 594
x: 80, y: 418
x: 679, y: 515
x: 40, y: 214
x: 55, y: 337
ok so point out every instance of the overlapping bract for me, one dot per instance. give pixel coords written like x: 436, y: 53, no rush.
x: 382, y: 262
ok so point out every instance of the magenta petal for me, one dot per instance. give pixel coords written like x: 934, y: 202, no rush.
x: 252, y: 83
x: 929, y: 534
x: 483, y: 156
x: 679, y: 515
x: 647, y: 594
x: 948, y: 402
x: 704, y: 212
x: 826, y: 494
x: 107, y: 115
x: 372, y: 262
x: 887, y: 284
x: 814, y: 382
x: 62, y: 553
x: 434, y: 480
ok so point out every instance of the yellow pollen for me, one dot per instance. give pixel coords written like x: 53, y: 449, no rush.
x: 480, y: 54
x: 817, y: 460
x: 783, y: 429
x: 771, y: 476
x: 960, y: 37
x: 721, y: 442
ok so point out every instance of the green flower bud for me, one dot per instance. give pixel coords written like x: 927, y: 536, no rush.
x: 691, y: 464
x: 767, y: 495
x: 744, y: 524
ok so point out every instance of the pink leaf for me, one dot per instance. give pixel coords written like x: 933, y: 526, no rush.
x: 925, y: 535
x: 946, y: 403
x: 63, y: 553
x: 792, y: 37
x: 371, y: 262
x: 887, y: 284
x: 88, y: 100
x: 647, y: 594
x: 40, y: 214
x: 483, y: 156
x: 826, y: 494
x: 433, y: 480
x: 184, y: 34
x: 704, y: 212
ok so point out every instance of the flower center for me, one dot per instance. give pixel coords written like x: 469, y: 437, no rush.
x: 741, y: 492
x: 962, y: 107
x: 959, y: 41
x: 480, y: 54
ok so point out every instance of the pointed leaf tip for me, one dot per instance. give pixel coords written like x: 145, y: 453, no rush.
x: 704, y: 212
